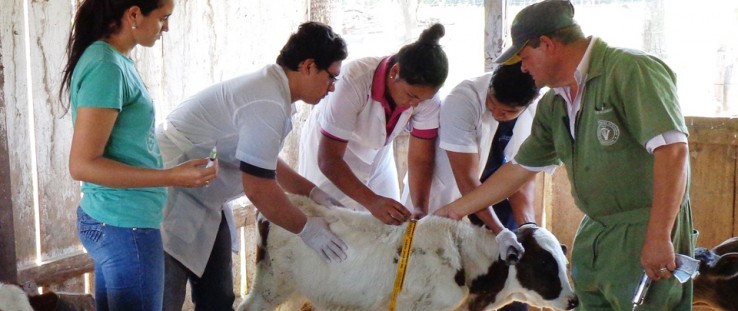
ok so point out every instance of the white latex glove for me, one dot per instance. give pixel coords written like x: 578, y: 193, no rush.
x: 320, y: 238
x: 510, y: 249
x: 323, y: 198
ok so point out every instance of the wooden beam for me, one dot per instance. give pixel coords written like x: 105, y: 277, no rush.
x: 57, y: 271
x: 495, y: 30
x: 244, y: 215
x: 712, y: 131
x: 9, y: 272
x: 60, y: 270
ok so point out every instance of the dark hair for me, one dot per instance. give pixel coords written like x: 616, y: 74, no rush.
x: 95, y: 20
x: 566, y: 35
x: 513, y: 87
x: 424, y: 62
x: 313, y: 40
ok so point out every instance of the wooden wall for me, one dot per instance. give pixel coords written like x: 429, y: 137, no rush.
x: 208, y: 41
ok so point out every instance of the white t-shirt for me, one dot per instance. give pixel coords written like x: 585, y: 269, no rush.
x: 248, y: 117
x: 467, y: 126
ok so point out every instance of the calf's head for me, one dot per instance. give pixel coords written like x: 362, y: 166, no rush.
x: 539, y: 278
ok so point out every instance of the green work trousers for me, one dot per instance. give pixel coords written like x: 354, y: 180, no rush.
x: 606, y: 265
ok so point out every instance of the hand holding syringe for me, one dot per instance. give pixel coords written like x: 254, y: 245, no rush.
x: 196, y: 172
x: 211, y: 160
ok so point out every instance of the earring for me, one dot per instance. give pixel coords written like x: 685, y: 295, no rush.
x: 133, y: 27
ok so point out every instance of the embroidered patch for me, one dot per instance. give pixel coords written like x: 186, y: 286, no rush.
x: 607, y: 132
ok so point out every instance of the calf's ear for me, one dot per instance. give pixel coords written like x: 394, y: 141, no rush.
x: 728, y: 246
x: 563, y: 248
x: 725, y: 267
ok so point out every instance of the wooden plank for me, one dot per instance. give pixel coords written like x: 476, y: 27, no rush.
x: 58, y: 194
x: 9, y: 274
x: 735, y: 193
x: 12, y: 35
x: 718, y: 135
x: 73, y: 265
x: 495, y: 29
x: 244, y: 215
x: 56, y: 271
x: 712, y: 191
x: 565, y: 216
x: 714, y: 131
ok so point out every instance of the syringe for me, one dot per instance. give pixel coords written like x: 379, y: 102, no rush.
x: 212, y: 156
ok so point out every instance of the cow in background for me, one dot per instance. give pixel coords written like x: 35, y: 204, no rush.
x: 717, y: 284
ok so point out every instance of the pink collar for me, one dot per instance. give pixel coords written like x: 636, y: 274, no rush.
x: 379, y: 82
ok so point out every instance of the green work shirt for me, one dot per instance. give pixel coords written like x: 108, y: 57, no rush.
x: 629, y: 97
x: 105, y: 78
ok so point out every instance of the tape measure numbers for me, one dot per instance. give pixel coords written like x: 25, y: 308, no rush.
x: 402, y: 266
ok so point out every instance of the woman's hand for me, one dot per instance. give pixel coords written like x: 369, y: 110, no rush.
x: 388, y: 211
x: 193, y: 173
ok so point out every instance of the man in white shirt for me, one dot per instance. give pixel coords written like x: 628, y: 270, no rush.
x: 247, y: 119
x: 484, y: 121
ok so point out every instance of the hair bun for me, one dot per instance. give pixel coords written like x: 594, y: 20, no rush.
x: 432, y: 34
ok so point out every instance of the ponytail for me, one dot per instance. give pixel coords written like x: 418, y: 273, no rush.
x: 424, y: 62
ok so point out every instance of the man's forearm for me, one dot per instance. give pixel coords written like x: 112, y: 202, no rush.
x: 669, y: 185
x: 496, y: 188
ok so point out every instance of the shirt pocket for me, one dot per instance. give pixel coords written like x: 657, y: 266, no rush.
x: 609, y: 129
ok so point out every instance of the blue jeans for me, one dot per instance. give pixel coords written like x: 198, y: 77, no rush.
x: 129, y: 265
x: 214, y: 289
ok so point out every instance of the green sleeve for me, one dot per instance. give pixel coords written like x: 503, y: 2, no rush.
x: 647, y: 91
x: 538, y: 149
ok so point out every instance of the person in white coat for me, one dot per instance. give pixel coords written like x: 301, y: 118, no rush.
x: 346, y: 144
x: 484, y: 121
x: 247, y: 118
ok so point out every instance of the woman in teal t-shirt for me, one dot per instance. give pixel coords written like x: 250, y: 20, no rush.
x: 115, y: 153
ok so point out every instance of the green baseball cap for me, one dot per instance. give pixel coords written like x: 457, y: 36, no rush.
x: 534, y: 21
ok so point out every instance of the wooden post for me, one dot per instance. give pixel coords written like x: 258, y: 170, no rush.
x: 653, y: 31
x: 9, y: 271
x: 495, y: 30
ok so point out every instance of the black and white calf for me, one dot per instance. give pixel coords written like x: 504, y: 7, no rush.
x: 717, y: 284
x: 452, y: 266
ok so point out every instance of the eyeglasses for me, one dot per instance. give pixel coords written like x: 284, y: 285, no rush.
x: 331, y: 78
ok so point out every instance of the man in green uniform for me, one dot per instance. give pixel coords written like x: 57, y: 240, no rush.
x: 612, y: 117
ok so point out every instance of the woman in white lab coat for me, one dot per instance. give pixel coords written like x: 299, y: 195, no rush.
x: 346, y: 145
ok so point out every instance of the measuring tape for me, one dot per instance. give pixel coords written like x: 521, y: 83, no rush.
x: 402, y: 267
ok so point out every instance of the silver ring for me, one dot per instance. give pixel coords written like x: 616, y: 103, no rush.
x: 663, y: 270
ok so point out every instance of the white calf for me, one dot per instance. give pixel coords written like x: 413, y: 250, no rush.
x: 452, y: 266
